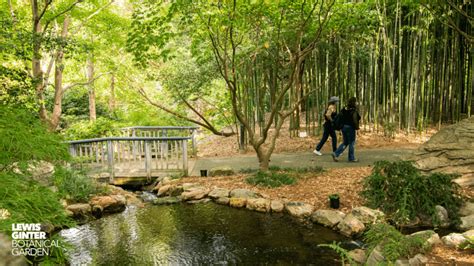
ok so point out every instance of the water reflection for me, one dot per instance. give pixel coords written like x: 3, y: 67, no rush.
x: 198, y: 234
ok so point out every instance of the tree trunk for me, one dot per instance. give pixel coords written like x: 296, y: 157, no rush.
x: 58, y: 80
x: 90, y: 79
x: 112, y: 93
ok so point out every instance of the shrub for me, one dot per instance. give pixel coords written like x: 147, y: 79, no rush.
x: 24, y: 139
x: 403, y: 193
x: 75, y: 185
x: 102, y: 127
x: 342, y: 252
x: 394, y: 244
x: 270, y: 179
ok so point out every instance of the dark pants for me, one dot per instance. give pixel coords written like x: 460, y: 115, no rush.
x: 349, y: 138
x: 328, y: 131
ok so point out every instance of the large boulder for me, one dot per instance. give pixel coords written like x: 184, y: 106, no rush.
x: 110, y: 203
x: 218, y: 193
x: 453, y: 240
x: 260, y: 204
x: 430, y: 236
x: 451, y: 150
x: 467, y: 209
x: 328, y: 218
x: 243, y: 193
x: 351, y: 226
x: 467, y: 222
x: 367, y: 215
x: 79, y: 209
x: 195, y: 193
x: 277, y: 206
x: 237, y: 202
x: 223, y: 200
x: 299, y: 209
x: 221, y: 171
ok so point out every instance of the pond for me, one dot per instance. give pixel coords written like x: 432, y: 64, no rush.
x: 199, y: 234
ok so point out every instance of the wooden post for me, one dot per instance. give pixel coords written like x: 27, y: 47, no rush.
x: 110, y: 160
x: 185, y: 157
x: 193, y: 135
x: 72, y: 150
x: 148, y: 159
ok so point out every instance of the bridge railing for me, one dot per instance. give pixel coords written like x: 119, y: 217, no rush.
x: 132, y: 156
x: 162, y: 132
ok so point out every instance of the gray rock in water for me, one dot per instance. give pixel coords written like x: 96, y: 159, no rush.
x: 167, y: 200
x: 221, y: 171
x: 147, y: 196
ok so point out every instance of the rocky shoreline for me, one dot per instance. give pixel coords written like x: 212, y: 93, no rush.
x: 352, y: 224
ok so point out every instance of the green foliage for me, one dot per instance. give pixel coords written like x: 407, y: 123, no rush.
x: 469, y: 244
x: 402, y: 192
x: 270, y: 179
x: 102, y: 127
x: 75, y: 185
x: 29, y: 202
x: 343, y: 253
x: 334, y: 196
x: 25, y: 139
x: 394, y: 244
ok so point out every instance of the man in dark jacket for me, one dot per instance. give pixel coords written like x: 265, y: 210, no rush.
x: 351, y: 124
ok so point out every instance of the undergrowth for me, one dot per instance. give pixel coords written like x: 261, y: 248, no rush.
x: 75, y: 185
x: 393, y: 244
x: 402, y: 192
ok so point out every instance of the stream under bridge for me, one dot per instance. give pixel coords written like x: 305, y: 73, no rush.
x: 138, y: 155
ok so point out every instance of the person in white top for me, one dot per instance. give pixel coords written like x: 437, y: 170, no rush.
x: 329, y: 115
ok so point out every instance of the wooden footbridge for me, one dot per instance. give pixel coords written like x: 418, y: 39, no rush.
x: 138, y: 155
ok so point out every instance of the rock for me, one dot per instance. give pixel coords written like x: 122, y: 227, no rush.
x: 189, y: 186
x: 219, y: 193
x: 328, y: 218
x: 350, y: 226
x: 453, y: 240
x: 299, y: 209
x: 6, y: 256
x: 443, y: 216
x: 367, y: 215
x: 167, y: 200
x: 163, y: 190
x: 402, y: 262
x: 358, y: 255
x: 223, y: 201
x: 277, y: 206
x: 206, y: 200
x: 375, y: 258
x: 166, y: 180
x: 467, y: 222
x: 243, y: 193
x: 430, y: 236
x: 237, y: 202
x: 221, y: 171
x: 418, y: 260
x: 451, y: 150
x: 48, y: 228
x: 260, y: 205
x: 79, y: 209
x: 175, y: 191
x: 109, y: 204
x: 468, y: 234
x: 41, y: 171
x: 195, y: 193
x: 147, y: 196
x: 467, y: 209
x: 4, y: 214
x: 97, y: 211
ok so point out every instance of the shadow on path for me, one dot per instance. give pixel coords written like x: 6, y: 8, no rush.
x: 302, y: 159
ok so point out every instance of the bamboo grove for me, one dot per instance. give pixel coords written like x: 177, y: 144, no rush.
x: 409, y: 69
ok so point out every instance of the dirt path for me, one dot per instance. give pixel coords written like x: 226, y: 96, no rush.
x: 366, y: 157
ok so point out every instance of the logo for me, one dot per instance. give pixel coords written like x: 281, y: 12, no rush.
x: 29, y: 240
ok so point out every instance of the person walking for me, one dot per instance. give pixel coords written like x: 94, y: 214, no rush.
x: 329, y: 130
x: 350, y: 120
